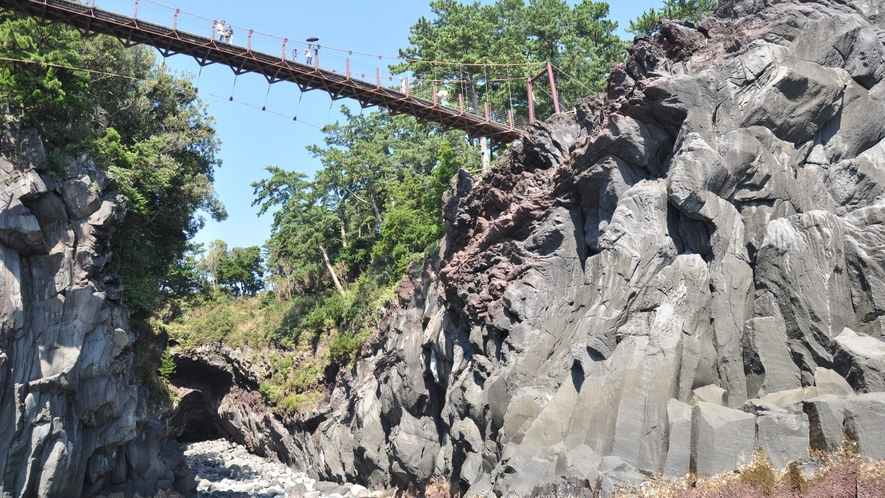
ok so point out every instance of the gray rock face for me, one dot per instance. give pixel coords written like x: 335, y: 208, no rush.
x: 695, y: 258
x: 71, y: 419
x: 721, y: 438
x: 863, y: 423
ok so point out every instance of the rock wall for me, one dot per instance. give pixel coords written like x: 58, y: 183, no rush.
x: 688, y: 270
x: 71, y: 419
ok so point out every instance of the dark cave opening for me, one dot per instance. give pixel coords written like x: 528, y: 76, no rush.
x: 202, y: 386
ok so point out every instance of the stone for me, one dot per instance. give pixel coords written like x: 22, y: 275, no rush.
x: 829, y: 382
x: 861, y: 360
x: 704, y: 236
x: 19, y: 229
x: 721, y: 438
x: 679, y: 416
x: 783, y: 437
x: 864, y: 419
x: 81, y: 199
x: 826, y: 415
x: 710, y: 394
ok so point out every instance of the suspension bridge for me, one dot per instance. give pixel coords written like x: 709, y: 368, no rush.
x: 172, y: 31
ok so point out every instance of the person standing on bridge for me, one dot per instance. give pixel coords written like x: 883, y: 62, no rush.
x: 308, y: 57
x: 295, y: 54
x: 229, y: 33
x: 219, y: 29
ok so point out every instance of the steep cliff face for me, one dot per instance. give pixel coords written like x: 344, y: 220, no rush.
x: 689, y: 269
x: 71, y: 419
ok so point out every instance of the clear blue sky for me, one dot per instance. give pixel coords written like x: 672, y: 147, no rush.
x: 253, y: 139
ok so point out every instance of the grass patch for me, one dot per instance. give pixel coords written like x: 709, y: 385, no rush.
x: 299, y: 344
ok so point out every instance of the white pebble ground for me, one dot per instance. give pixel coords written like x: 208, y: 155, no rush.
x: 226, y: 470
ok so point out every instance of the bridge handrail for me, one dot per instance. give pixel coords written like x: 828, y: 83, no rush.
x: 251, y: 59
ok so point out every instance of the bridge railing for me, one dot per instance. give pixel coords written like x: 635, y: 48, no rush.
x: 369, y: 68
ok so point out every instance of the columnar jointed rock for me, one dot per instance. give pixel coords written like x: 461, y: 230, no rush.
x: 71, y: 420
x: 715, y: 222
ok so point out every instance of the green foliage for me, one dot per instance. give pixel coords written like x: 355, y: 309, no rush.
x: 345, y: 347
x: 373, y: 207
x: 50, y: 96
x: 185, y: 277
x: 167, y: 365
x: 488, y: 46
x: 239, y: 271
x: 683, y: 10
x: 142, y: 124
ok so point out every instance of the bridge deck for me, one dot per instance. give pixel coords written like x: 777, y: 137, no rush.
x: 206, y: 51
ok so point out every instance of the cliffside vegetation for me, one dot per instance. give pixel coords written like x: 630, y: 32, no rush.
x: 340, y: 240
x: 142, y: 125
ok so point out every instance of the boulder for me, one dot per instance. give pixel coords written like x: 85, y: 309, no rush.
x: 783, y: 437
x: 826, y: 415
x: 721, y: 438
x: 861, y: 360
x: 864, y: 419
x: 679, y: 444
x: 710, y: 394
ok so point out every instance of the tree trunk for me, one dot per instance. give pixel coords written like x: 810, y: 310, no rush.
x: 484, y: 153
x: 378, y: 218
x: 483, y: 144
x: 331, y: 270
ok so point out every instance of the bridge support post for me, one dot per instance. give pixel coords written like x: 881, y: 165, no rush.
x: 487, y: 111
x: 135, y: 12
x: 531, y: 95
x: 553, y: 87
x: 249, y: 41
x: 175, y: 21
x: 461, y: 102
x: 347, y: 64
x: 510, y: 118
x: 435, y: 102
x: 283, y: 57
x: 549, y: 72
x: 378, y: 76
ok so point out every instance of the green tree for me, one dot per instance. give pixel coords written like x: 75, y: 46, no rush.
x: 36, y: 79
x: 240, y: 271
x: 683, y: 10
x: 144, y: 126
x: 374, y: 203
x: 485, y: 49
x: 186, y: 276
x: 167, y: 365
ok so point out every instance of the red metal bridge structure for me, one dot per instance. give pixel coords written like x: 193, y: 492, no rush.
x: 160, y: 26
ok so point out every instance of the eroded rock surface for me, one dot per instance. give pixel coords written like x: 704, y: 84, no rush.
x: 71, y: 419
x: 696, y: 260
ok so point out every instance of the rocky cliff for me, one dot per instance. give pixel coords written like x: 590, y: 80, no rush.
x: 686, y: 270
x: 71, y: 419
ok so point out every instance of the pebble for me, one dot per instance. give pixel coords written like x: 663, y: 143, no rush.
x: 226, y: 470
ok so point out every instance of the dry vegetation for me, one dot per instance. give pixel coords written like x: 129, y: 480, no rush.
x: 843, y: 474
